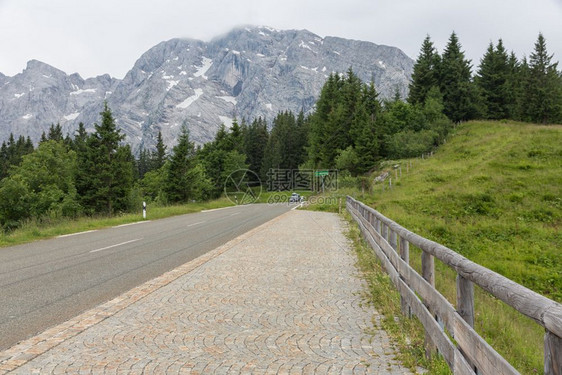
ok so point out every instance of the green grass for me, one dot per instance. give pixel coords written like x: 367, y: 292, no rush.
x: 47, y: 228
x: 493, y: 193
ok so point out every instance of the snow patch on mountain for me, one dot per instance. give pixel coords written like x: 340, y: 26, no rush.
x: 201, y: 70
x: 189, y: 101
x: 72, y: 116
x: 227, y: 121
x: 171, y: 84
x: 83, y: 91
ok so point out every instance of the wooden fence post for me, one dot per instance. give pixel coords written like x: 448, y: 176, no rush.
x: 405, y: 255
x: 393, y: 239
x: 552, y: 354
x: 465, y: 299
x: 465, y: 304
x: 384, y: 230
x: 428, y: 273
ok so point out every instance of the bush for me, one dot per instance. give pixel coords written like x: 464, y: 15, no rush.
x: 407, y: 144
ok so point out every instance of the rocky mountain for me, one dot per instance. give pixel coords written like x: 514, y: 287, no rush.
x: 249, y: 72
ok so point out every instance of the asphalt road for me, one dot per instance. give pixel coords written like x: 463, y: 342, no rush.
x: 45, y: 283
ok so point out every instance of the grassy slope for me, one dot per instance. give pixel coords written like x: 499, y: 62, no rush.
x: 494, y: 194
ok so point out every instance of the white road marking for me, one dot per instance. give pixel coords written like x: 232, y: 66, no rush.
x: 199, y: 222
x: 216, y: 209
x: 135, y: 223
x: 75, y: 234
x: 300, y: 205
x: 236, y: 213
x: 119, y: 244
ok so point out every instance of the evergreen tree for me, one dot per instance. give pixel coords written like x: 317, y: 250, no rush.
x: 322, y: 139
x: 366, y: 139
x: 55, y: 133
x: 286, y: 147
x: 178, y: 186
x: 143, y: 163
x: 455, y: 83
x: 425, y: 74
x: 159, y: 155
x: 105, y: 168
x: 236, y: 137
x: 544, y: 96
x: 255, y: 142
x: 80, y: 138
x: 513, y: 87
x: 331, y: 124
x: 492, y: 81
x: 4, y: 163
x: 524, y: 76
x: 11, y: 153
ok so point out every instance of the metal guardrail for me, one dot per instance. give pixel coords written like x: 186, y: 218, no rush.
x: 471, y: 354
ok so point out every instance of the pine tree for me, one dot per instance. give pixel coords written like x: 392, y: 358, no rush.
x: 236, y: 137
x: 492, y: 80
x: 513, y: 87
x: 331, y: 124
x: 455, y: 83
x: 178, y: 187
x: 159, y: 155
x: 105, y: 169
x: 426, y: 73
x: 524, y: 77
x: 255, y: 142
x: 55, y: 133
x: 543, y: 90
x: 4, y: 163
x: 366, y: 138
x: 321, y: 138
x: 80, y: 138
x: 143, y: 163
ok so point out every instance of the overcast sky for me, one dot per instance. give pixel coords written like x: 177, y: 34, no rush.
x: 108, y: 36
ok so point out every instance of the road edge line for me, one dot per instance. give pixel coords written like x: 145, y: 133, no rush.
x: 77, y: 233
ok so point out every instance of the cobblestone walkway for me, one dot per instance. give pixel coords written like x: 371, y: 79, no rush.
x: 282, y: 299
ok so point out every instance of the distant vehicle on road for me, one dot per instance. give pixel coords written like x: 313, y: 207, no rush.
x: 295, y: 198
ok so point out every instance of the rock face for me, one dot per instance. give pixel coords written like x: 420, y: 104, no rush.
x: 249, y: 72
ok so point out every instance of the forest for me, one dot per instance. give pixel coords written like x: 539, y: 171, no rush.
x: 351, y: 129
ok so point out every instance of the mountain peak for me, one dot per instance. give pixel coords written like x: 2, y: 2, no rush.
x: 39, y: 65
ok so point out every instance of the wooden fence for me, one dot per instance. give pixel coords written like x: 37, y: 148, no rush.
x: 471, y: 354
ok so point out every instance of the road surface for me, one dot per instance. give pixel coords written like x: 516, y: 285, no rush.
x: 48, y: 282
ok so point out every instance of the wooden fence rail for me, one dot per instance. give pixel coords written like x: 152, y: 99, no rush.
x: 471, y: 354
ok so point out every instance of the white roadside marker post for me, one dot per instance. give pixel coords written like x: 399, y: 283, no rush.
x: 144, y: 210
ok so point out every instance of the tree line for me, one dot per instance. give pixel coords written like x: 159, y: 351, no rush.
x: 503, y: 87
x: 96, y: 173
